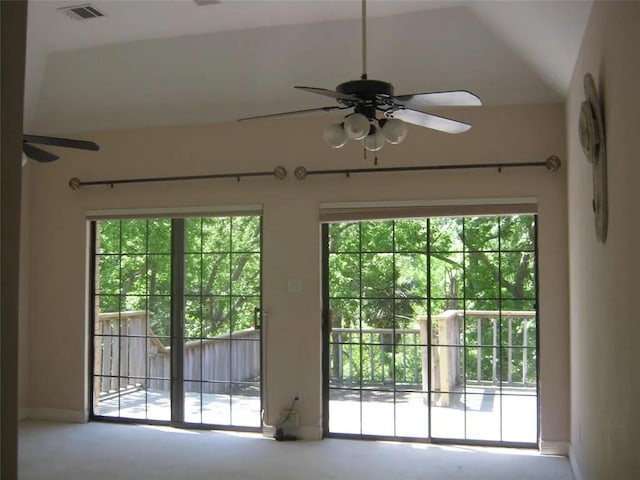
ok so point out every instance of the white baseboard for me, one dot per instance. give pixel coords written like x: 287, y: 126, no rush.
x: 554, y: 448
x: 304, y: 433
x: 574, y: 464
x: 310, y: 433
x: 55, y: 415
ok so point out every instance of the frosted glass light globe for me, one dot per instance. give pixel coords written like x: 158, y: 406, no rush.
x: 356, y: 126
x: 335, y: 135
x: 395, y: 130
x: 375, y: 140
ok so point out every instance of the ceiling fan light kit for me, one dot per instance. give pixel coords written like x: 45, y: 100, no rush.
x: 363, y: 124
x: 374, y: 141
x: 368, y: 97
x: 335, y: 135
x: 394, y: 130
x: 356, y: 126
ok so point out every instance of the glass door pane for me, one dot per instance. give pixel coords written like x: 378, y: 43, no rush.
x: 131, y: 368
x: 221, y: 349
x: 178, y: 299
x: 377, y: 338
x: 431, y: 328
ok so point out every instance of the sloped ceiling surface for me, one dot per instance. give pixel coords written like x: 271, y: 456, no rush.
x: 174, y: 63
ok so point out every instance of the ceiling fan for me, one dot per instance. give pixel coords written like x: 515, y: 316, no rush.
x: 40, y: 155
x: 366, y: 97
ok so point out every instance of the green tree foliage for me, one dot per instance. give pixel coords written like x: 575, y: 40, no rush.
x: 382, y: 275
x: 222, y: 272
x: 385, y: 274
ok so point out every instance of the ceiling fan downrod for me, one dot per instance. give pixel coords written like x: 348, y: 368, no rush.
x: 364, y: 40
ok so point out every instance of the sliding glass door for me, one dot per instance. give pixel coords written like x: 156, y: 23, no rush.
x: 430, y: 329
x: 176, y: 320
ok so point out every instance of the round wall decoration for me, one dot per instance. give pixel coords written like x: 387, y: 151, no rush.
x: 592, y: 139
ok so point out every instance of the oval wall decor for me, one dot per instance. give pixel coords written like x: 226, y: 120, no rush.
x: 592, y: 139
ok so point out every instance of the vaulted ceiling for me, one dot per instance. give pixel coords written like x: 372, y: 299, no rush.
x: 155, y: 63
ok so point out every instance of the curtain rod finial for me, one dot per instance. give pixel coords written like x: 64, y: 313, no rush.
x: 553, y: 163
x: 75, y: 183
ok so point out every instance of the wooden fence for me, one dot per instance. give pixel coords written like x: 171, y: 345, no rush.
x: 129, y: 356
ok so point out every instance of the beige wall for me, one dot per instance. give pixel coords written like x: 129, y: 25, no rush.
x: 23, y: 333
x: 58, y: 245
x: 603, y: 278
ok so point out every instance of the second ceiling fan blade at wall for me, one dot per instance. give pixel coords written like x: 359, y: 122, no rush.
x: 38, y: 154
x: 62, y: 142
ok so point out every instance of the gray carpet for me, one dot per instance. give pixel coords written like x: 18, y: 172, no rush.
x: 97, y: 451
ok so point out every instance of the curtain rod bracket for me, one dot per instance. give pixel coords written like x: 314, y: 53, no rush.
x: 300, y: 172
x: 280, y: 172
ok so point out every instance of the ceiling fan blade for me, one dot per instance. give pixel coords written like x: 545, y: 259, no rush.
x: 61, y: 142
x: 327, y: 93
x: 38, y: 154
x: 457, y: 98
x: 294, y: 112
x: 428, y: 120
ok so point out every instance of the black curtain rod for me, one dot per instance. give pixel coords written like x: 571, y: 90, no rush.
x: 552, y: 163
x: 279, y: 173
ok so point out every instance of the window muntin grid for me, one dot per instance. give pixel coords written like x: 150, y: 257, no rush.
x: 362, y: 251
x: 132, y: 265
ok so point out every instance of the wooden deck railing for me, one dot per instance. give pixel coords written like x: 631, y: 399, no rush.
x: 448, y: 354
x: 127, y: 351
x: 372, y: 364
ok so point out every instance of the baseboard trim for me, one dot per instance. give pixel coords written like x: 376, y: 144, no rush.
x: 23, y: 413
x: 310, y: 433
x: 554, y: 448
x: 574, y: 464
x: 304, y: 433
x: 55, y: 415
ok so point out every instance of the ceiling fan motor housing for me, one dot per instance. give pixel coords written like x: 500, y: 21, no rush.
x: 369, y: 94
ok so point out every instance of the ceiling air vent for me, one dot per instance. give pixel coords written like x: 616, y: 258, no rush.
x: 82, y: 12
x: 202, y: 3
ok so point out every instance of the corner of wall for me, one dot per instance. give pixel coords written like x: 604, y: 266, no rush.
x: 552, y: 447
x: 55, y: 415
x: 574, y: 464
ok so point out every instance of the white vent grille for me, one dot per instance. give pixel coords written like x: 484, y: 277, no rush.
x: 82, y: 12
